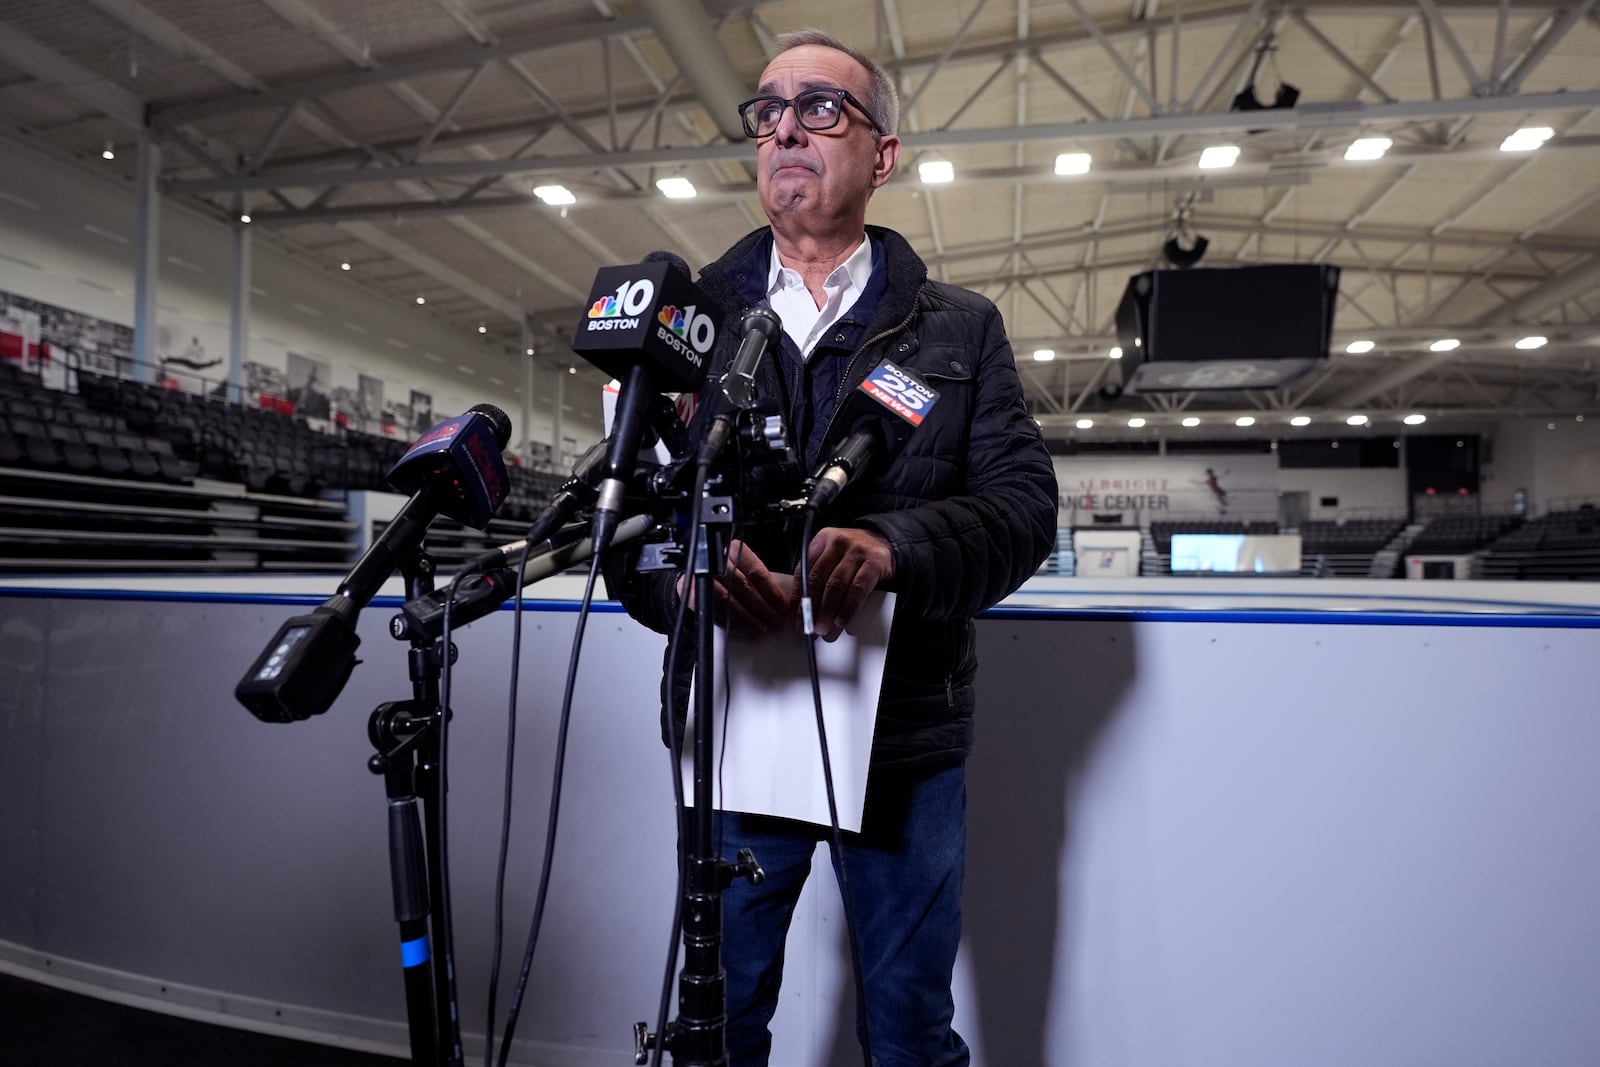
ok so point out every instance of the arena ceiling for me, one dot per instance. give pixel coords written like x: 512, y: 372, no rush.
x: 410, y: 138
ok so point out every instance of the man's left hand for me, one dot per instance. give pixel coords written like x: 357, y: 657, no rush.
x: 846, y: 565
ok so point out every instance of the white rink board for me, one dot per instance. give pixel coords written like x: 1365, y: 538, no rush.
x: 1244, y: 822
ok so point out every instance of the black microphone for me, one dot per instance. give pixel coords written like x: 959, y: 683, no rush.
x: 455, y: 469
x: 577, y: 492
x: 881, y: 412
x: 760, y: 329
x: 481, y: 594
x: 650, y: 326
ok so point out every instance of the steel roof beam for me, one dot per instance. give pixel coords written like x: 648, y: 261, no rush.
x: 1336, y: 116
x: 19, y: 50
x: 1557, y: 28
x: 427, y: 63
x: 1290, y: 167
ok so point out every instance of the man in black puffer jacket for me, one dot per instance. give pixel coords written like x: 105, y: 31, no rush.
x: 958, y: 521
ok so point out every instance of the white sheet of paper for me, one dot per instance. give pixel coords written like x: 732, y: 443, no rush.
x: 771, y: 760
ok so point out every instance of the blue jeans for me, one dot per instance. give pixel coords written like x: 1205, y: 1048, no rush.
x: 905, y: 870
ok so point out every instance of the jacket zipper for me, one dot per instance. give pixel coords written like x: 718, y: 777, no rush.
x: 850, y: 367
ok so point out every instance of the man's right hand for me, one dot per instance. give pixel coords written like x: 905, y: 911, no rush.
x: 750, y: 600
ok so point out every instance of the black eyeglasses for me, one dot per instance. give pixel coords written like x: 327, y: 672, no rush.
x: 816, y: 109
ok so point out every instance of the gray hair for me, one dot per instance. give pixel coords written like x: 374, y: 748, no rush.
x: 883, y: 100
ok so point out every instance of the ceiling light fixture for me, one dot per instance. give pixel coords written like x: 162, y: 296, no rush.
x: 1115, y: 353
x: 530, y: 351
x: 1300, y: 420
x: 1528, y: 344
x: 1245, y: 420
x: 482, y: 328
x: 1136, y: 423
x: 1191, y: 422
x: 422, y: 300
x: 108, y: 152
x: 1527, y: 139
x: 1074, y: 163
x: 1084, y: 424
x: 1219, y: 156
x: 344, y: 265
x: 676, y: 188
x: 1368, y: 148
x: 1044, y: 355
x: 1360, y: 348
x: 244, y: 217
x: 936, y: 171
x: 1356, y: 420
x: 1415, y: 420
x: 1445, y: 344
x: 555, y: 195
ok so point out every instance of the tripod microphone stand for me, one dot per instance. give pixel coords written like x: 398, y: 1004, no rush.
x: 405, y: 735
x: 697, y: 1038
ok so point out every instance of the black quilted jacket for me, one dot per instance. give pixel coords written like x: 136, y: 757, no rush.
x: 969, y: 506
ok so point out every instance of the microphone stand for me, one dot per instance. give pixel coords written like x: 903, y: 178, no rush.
x: 405, y: 735
x: 698, y: 1037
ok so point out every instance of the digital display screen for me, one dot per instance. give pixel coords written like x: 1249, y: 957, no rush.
x: 280, y: 655
x: 1235, y: 554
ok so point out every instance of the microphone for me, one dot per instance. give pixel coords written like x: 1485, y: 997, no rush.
x: 455, y: 469
x: 760, y: 327
x: 576, y: 492
x: 651, y: 327
x: 481, y: 594
x: 883, y: 410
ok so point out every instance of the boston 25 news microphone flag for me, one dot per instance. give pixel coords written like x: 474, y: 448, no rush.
x: 880, y: 413
x: 455, y: 469
x: 651, y: 327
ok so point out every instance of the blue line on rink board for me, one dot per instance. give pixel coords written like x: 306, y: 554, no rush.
x: 1302, y: 617
x: 1442, y: 599
x: 1555, y: 615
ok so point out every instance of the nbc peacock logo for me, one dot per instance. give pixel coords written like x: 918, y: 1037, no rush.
x: 605, y: 308
x: 673, y: 319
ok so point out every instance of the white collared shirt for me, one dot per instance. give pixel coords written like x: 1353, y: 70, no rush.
x: 803, y: 321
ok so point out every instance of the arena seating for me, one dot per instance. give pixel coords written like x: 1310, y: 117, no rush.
x: 1344, y: 549
x: 1561, y: 546
x: 175, y: 479
x: 1461, y: 535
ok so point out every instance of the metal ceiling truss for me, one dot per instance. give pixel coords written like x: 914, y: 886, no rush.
x: 1551, y: 275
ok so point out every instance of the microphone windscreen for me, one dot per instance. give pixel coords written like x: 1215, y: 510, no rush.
x: 671, y: 259
x: 499, y: 422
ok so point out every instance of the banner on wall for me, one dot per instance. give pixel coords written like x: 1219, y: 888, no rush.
x: 40, y: 337
x: 192, y: 356
x: 308, y: 386
x: 1154, y: 488
x: 421, y: 411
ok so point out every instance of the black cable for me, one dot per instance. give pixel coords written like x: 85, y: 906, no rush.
x: 807, y: 531
x: 505, y: 810
x: 555, y: 811
x: 449, y: 953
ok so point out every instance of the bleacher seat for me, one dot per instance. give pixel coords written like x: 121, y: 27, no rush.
x: 1461, y: 535
x: 1561, y: 546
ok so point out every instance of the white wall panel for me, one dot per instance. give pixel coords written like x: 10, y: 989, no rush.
x: 1246, y: 837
